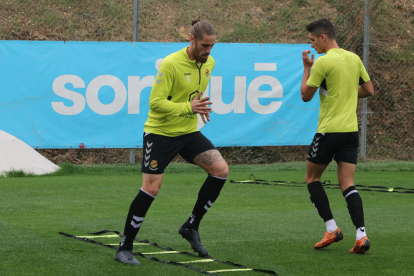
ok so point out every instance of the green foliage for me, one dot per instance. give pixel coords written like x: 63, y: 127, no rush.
x: 51, y: 18
x: 67, y: 168
x: 17, y: 174
x: 301, y: 3
x: 287, y: 13
x: 67, y: 2
x: 85, y: 15
x: 112, y: 9
x: 246, y: 32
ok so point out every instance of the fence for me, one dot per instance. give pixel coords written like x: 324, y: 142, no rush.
x: 391, y: 67
x: 391, y: 117
x: 390, y: 113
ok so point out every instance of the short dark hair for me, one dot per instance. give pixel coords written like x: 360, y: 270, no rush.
x: 322, y: 26
x: 201, y: 28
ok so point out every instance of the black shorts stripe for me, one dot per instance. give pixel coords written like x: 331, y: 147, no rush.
x: 340, y: 146
x: 159, y: 150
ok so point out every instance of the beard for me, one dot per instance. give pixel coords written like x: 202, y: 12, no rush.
x: 202, y: 58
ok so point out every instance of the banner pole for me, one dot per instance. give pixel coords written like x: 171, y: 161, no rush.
x: 135, y: 36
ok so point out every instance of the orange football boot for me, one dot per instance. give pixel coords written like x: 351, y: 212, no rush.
x: 329, y: 238
x: 360, y: 246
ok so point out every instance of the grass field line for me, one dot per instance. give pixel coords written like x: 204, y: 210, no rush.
x: 198, y: 261
x: 230, y: 270
x: 161, y: 252
x: 101, y: 236
x: 134, y: 244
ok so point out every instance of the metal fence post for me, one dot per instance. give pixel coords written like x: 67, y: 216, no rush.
x: 132, y: 156
x: 136, y: 21
x: 365, y: 60
x: 135, y: 39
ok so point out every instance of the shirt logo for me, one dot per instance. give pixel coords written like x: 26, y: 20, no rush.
x: 207, y: 73
x: 158, y: 79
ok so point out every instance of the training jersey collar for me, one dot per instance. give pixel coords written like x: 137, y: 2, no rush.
x: 193, y: 62
x: 335, y: 49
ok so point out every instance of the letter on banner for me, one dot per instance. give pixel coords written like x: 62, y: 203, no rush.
x: 60, y: 90
x: 239, y: 100
x: 135, y: 87
x: 93, y: 99
x: 253, y: 94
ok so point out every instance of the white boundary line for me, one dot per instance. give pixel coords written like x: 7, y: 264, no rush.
x: 228, y: 270
x: 161, y: 252
x: 198, y: 261
x: 100, y: 236
x: 134, y: 243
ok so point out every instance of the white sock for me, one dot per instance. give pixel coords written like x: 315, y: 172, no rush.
x: 330, y: 225
x: 360, y: 233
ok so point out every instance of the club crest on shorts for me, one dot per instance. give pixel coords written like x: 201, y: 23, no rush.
x: 153, y: 165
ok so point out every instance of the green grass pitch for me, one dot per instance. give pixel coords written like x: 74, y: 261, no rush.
x: 266, y: 227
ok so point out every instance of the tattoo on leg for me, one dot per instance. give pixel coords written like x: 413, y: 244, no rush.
x: 208, y: 157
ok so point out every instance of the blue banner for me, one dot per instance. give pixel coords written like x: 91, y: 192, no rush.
x: 64, y: 94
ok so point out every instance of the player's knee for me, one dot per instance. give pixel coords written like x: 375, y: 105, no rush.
x: 151, y: 189
x: 311, y: 178
x: 225, y: 171
x: 221, y: 170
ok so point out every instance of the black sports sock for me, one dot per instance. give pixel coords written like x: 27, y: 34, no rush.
x: 136, y: 215
x: 355, y: 208
x: 208, y: 193
x: 320, y: 200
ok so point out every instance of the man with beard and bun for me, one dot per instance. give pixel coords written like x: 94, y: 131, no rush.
x: 171, y: 129
x: 341, y: 78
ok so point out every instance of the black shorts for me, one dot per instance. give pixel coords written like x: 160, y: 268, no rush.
x: 159, y: 150
x: 340, y: 146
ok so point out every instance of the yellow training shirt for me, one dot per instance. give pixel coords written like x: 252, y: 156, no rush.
x: 177, y: 83
x: 338, y: 75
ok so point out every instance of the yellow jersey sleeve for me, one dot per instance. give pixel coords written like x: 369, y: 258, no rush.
x: 317, y: 74
x: 161, y: 90
x: 364, y: 77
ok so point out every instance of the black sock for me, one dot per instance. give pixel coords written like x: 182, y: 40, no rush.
x: 208, y: 193
x: 320, y: 200
x: 356, y: 211
x: 136, y: 215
